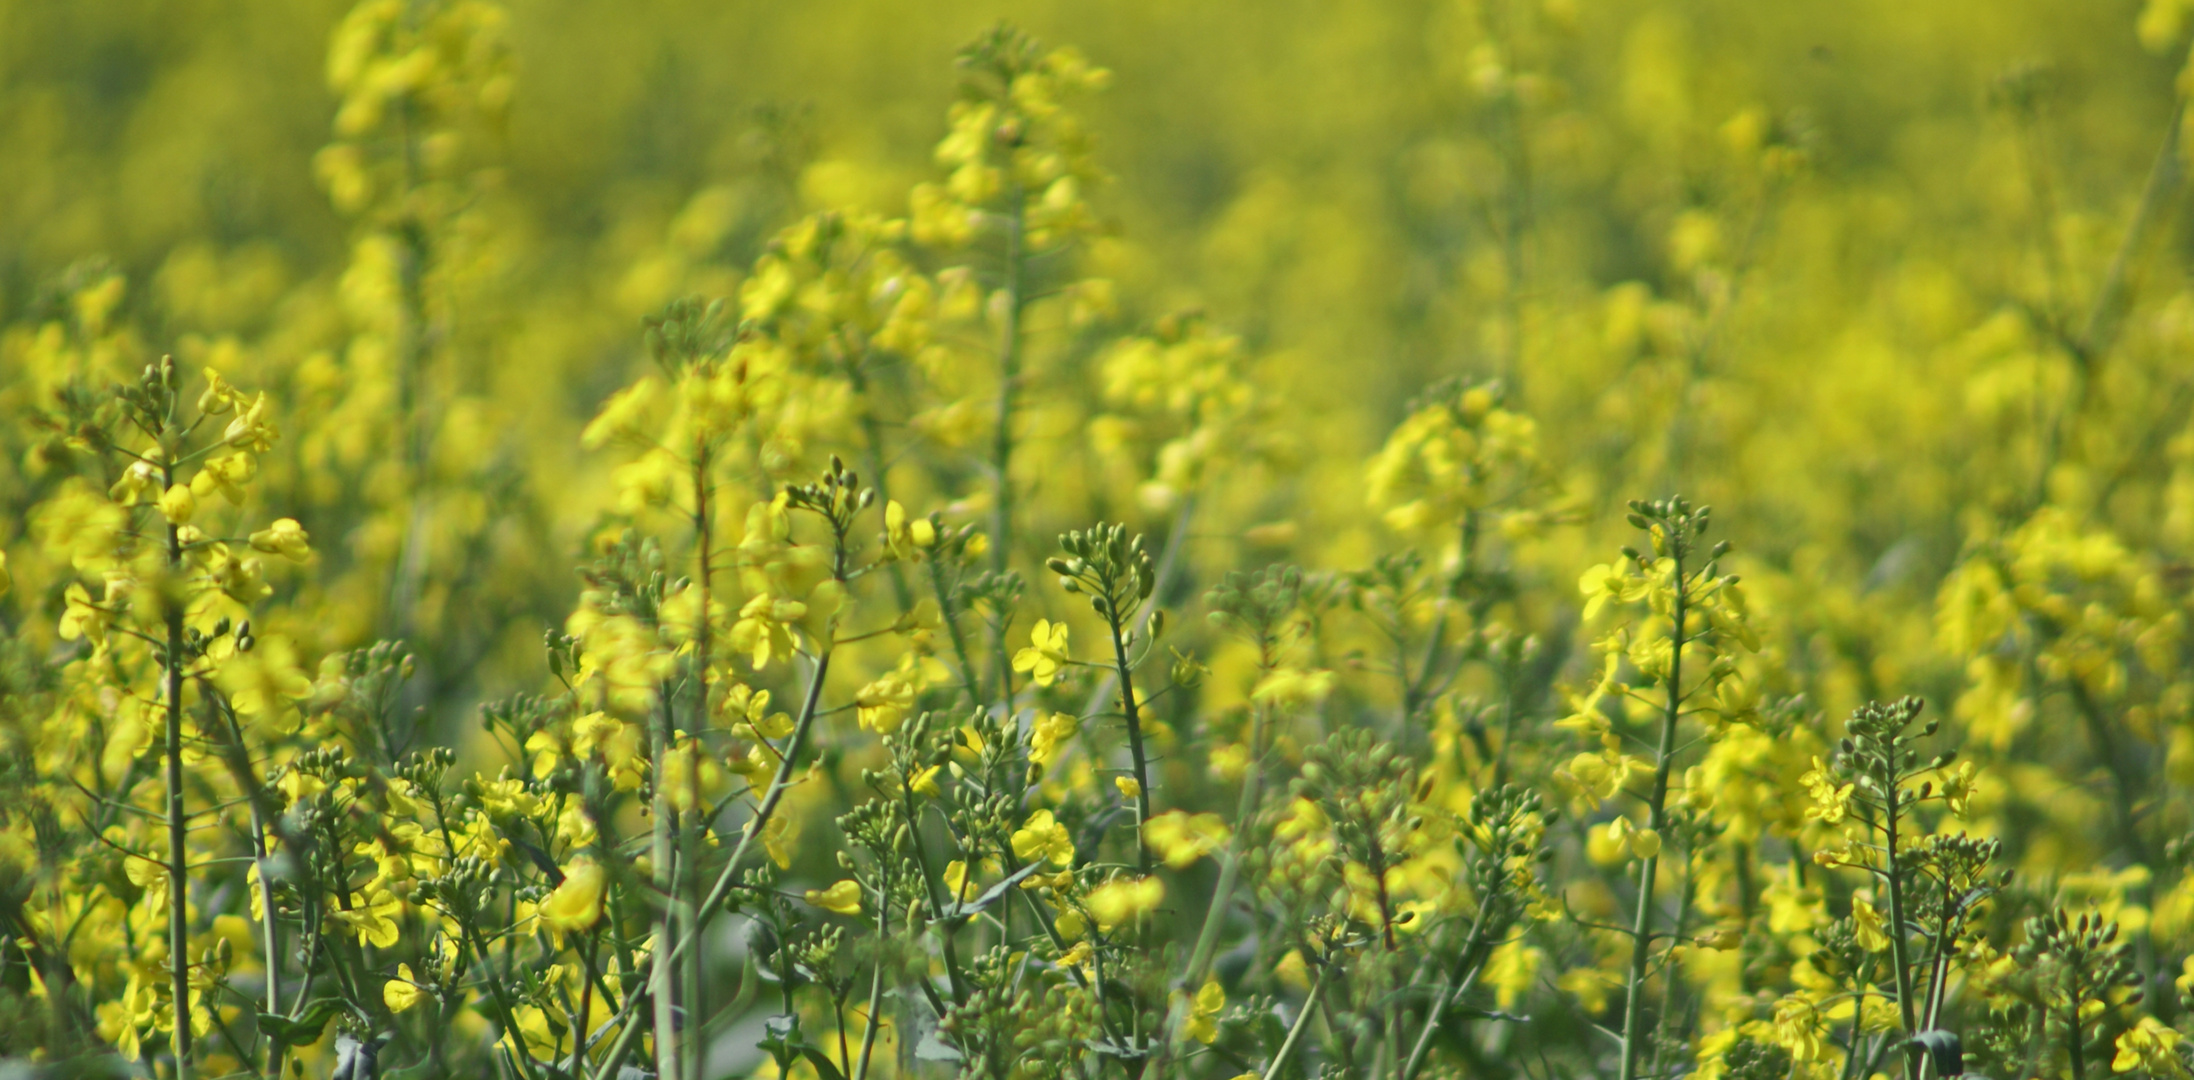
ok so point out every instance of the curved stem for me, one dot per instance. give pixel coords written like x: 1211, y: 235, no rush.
x: 1295, y: 1032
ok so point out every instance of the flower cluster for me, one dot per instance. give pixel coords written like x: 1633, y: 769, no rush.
x: 937, y: 691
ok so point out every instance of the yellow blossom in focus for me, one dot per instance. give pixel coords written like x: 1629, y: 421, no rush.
x: 1046, y: 653
x: 843, y: 897
x: 1203, y: 1013
x: 1043, y: 837
x: 401, y: 992
x: 1052, y: 733
x: 577, y: 903
x: 2150, y: 1047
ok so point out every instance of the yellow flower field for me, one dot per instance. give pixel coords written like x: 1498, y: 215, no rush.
x: 1509, y: 539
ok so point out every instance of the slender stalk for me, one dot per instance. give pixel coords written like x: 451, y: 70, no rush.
x: 1898, y: 947
x: 1641, y: 947
x: 1459, y: 981
x: 663, y: 981
x: 1230, y: 872
x: 270, y: 929
x: 936, y: 901
x: 2074, y: 1036
x: 1134, y: 739
x: 1176, y: 540
x: 951, y: 620
x: 1295, y: 1032
x: 875, y: 987
x: 693, y: 825
x: 178, y: 883
x: 497, y: 993
x: 629, y: 1036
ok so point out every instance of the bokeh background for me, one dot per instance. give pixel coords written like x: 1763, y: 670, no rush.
x: 1881, y: 281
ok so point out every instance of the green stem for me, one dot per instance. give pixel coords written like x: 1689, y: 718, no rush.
x: 629, y: 1036
x: 2072, y: 1038
x: 1642, y: 927
x: 1898, y: 947
x: 178, y: 884
x: 951, y: 620
x: 1459, y: 981
x: 663, y: 981
x: 692, y: 824
x: 1207, y: 940
x: 496, y: 991
x: 875, y: 986
x: 1295, y: 1032
x: 1134, y: 739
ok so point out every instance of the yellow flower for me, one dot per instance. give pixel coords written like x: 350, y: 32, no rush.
x: 925, y: 782
x: 224, y: 475
x: 1077, y: 956
x: 300, y: 786
x: 1203, y: 1013
x: 401, y: 992
x: 764, y: 629
x: 177, y: 505
x: 506, y: 796
x: 1958, y: 788
x: 905, y: 537
x: 690, y: 774
x: 1511, y: 970
x: 2149, y: 1047
x: 843, y: 897
x: 265, y: 682
x: 1800, y: 1027
x: 1042, y: 836
x: 1293, y: 687
x: 1610, y: 582
x: 742, y: 702
x: 375, y: 920
x: 884, y: 703
x: 1180, y: 839
x: 1050, y: 737
x: 138, y: 481
x: 774, y: 840
x: 1601, y: 775
x: 80, y: 618
x: 1046, y: 652
x: 577, y: 903
x: 1621, y: 838
x: 1868, y: 926
x: 1129, y: 786
x: 1831, y: 801
x: 218, y: 398
x: 252, y: 430
x: 285, y: 538
x: 1124, y: 900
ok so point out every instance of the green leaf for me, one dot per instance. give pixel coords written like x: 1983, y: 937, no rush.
x: 305, y: 1029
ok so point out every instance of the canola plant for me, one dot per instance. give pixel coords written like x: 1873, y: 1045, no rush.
x: 1188, y: 556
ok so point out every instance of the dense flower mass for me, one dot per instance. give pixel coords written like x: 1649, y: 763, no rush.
x: 1082, y: 594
